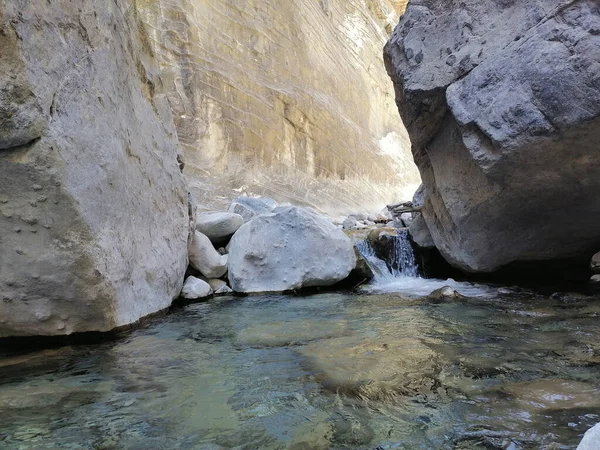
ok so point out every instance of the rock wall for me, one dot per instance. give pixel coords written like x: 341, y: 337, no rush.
x: 93, y: 207
x: 284, y: 99
x: 502, y: 103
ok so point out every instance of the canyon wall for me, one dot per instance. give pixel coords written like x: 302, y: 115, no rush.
x: 502, y: 104
x: 284, y: 99
x: 93, y: 207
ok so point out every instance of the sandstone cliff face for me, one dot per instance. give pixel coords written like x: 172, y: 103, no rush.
x: 93, y: 207
x: 501, y: 100
x: 284, y: 99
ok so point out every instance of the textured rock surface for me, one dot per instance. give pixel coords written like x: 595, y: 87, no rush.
x: 249, y: 207
x: 218, y: 226
x: 93, y: 208
x: 286, y: 249
x: 195, y: 288
x: 284, y: 99
x: 501, y: 100
x: 591, y: 439
x: 204, y: 258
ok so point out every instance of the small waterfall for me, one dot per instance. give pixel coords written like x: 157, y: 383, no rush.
x: 403, y: 257
x: 400, y: 263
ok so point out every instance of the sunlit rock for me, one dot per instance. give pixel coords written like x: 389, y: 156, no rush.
x: 204, y: 258
x: 284, y: 99
x: 195, y: 288
x: 289, y: 248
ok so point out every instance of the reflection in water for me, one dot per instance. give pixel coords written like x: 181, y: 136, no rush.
x: 505, y: 370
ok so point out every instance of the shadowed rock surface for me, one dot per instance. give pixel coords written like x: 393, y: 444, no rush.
x: 502, y: 104
x: 93, y: 207
x: 288, y: 100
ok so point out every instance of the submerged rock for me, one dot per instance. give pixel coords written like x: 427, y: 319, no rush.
x: 94, y: 217
x: 289, y: 248
x: 249, y: 207
x: 204, y: 258
x: 591, y: 439
x: 502, y: 103
x: 444, y: 293
x: 218, y: 226
x: 195, y: 288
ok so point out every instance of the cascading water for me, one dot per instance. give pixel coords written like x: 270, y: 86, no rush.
x: 401, y: 263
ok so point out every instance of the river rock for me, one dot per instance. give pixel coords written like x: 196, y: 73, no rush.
x: 194, y: 288
x: 349, y: 223
x: 502, y: 103
x: 595, y: 279
x: 204, y: 258
x: 595, y: 263
x: 444, y: 293
x: 218, y: 226
x: 94, y: 214
x: 249, y: 207
x: 289, y: 248
x: 591, y: 439
x: 219, y: 286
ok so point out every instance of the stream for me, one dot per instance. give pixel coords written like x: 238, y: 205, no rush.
x: 383, y: 368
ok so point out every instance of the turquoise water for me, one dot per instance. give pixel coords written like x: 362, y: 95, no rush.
x: 508, y: 369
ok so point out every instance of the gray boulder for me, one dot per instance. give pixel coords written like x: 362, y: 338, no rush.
x: 419, y: 232
x: 591, y: 439
x: 595, y: 279
x: 195, y: 288
x: 289, y: 248
x: 249, y: 207
x: 204, y: 258
x: 218, y: 226
x: 501, y: 100
x: 595, y: 263
x: 94, y: 214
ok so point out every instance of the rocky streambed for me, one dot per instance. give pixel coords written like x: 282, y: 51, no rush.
x: 498, y: 368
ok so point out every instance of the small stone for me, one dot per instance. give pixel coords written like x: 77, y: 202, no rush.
x: 595, y: 279
x: 37, y: 187
x: 195, y: 288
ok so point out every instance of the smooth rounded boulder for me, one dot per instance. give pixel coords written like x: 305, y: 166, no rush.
x: 195, y: 288
x: 204, y: 258
x: 289, y: 248
x: 218, y: 226
x: 591, y: 439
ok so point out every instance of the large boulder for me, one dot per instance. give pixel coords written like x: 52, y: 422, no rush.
x: 94, y: 215
x: 204, y: 258
x: 218, y: 226
x: 501, y: 100
x: 289, y: 248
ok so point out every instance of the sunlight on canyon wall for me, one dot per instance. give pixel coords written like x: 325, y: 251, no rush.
x: 285, y: 99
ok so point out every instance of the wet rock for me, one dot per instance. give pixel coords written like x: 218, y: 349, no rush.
x: 249, y: 207
x: 549, y: 394
x: 595, y: 263
x: 595, y: 279
x: 494, y: 133
x: 194, y: 288
x: 591, y: 439
x: 286, y: 249
x: 375, y: 369
x: 444, y: 293
x: 204, y: 258
x: 218, y: 226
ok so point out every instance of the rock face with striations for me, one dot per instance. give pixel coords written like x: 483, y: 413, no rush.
x: 93, y: 207
x: 284, y: 99
x: 501, y: 100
